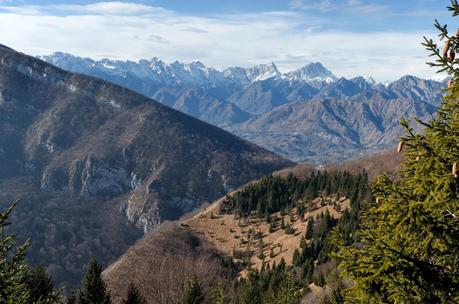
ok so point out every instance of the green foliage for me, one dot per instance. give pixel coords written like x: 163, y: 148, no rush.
x: 276, y: 285
x: 310, y: 228
x: 268, y: 284
x: 249, y: 289
x: 12, y: 264
x: 40, y: 286
x: 134, y: 296
x: 18, y: 283
x: 217, y: 294
x: 93, y: 289
x: 289, y: 229
x: 193, y: 292
x: 289, y: 291
x: 273, y: 194
x: 409, y: 243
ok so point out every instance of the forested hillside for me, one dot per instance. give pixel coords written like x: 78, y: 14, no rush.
x: 270, y: 230
x: 97, y: 165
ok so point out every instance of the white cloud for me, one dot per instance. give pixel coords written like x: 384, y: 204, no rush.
x: 100, y: 8
x: 139, y: 31
x: 349, y: 6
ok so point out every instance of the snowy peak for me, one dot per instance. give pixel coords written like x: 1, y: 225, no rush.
x: 313, y: 72
x: 237, y: 74
x: 262, y: 72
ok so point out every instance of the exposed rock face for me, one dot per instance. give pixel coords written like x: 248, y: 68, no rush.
x: 89, y: 140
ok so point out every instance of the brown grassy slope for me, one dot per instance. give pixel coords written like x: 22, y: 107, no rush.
x: 162, y: 262
x: 376, y: 164
x: 227, y: 233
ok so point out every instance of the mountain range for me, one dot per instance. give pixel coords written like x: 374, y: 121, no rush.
x: 98, y: 165
x: 306, y: 115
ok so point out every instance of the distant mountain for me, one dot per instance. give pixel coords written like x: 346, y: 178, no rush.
x: 98, y: 164
x: 339, y: 129
x: 312, y: 73
x: 200, y: 103
x: 245, y: 100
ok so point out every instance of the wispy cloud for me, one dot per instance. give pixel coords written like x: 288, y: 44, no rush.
x: 134, y: 31
x: 322, y: 6
x: 356, y: 6
x: 101, y: 8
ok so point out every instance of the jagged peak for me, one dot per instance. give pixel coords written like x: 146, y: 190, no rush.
x: 314, y: 71
x: 262, y: 72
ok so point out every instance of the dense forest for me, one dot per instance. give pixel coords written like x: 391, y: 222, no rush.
x: 273, y: 194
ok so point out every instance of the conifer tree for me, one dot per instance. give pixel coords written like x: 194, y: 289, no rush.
x: 409, y: 242
x: 93, y: 288
x: 289, y: 292
x: 250, y: 289
x: 40, y: 286
x: 134, y: 296
x: 217, y: 294
x: 12, y: 264
x: 193, y: 292
x: 18, y: 283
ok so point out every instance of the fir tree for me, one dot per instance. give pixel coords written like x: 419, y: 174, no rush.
x: 40, y: 286
x: 310, y: 228
x: 250, y: 291
x: 134, y: 296
x: 409, y: 243
x: 289, y: 292
x: 217, y: 294
x: 93, y: 289
x: 20, y: 284
x: 193, y: 292
x: 12, y: 264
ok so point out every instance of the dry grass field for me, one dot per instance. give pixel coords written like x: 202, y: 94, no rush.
x: 229, y: 234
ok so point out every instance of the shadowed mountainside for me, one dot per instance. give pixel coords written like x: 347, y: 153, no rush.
x: 86, y: 155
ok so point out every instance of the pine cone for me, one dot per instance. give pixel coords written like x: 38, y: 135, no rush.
x: 451, y: 55
x: 446, y: 48
x: 450, y: 83
x: 400, y: 147
x: 454, y: 169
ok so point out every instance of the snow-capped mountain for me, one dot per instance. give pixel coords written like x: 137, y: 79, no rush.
x: 262, y: 72
x: 195, y: 73
x: 282, y: 112
x: 313, y: 72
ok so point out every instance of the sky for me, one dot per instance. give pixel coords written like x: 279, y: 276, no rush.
x: 381, y: 39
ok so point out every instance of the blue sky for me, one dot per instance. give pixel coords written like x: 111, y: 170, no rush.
x: 351, y: 37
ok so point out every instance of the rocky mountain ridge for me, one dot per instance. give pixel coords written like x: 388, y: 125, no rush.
x: 254, y: 103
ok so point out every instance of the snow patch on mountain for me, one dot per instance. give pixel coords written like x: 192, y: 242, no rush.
x: 313, y: 72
